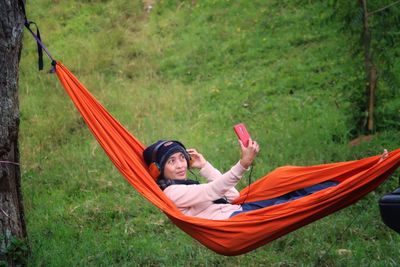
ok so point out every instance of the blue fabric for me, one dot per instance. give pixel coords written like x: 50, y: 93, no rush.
x: 285, y: 198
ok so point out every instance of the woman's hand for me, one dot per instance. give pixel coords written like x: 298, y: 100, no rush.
x: 197, y: 160
x: 249, y: 153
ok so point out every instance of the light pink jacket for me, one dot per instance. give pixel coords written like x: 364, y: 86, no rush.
x: 197, y: 200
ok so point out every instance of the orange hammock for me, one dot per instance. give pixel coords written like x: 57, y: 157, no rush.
x: 246, y: 231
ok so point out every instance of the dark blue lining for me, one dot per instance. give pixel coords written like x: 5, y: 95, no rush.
x: 285, y: 198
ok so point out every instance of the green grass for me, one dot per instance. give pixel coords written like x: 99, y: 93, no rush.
x: 189, y: 71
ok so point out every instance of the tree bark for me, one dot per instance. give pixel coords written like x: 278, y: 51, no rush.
x: 370, y: 69
x: 12, y: 223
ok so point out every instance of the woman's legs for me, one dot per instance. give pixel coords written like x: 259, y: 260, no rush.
x: 285, y: 198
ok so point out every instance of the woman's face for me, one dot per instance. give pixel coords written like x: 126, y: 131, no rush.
x: 176, y: 167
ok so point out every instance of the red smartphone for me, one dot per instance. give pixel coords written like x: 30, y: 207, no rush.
x: 242, y: 133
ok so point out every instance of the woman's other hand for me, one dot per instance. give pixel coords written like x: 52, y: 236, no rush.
x: 384, y: 156
x: 197, y: 160
x: 249, y: 153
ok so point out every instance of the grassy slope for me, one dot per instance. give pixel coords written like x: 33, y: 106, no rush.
x: 188, y: 71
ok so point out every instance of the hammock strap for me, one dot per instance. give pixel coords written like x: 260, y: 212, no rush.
x: 40, y: 46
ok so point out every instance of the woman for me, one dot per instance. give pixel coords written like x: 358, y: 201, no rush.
x: 169, y: 161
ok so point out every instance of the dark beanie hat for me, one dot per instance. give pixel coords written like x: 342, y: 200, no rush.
x: 164, y: 150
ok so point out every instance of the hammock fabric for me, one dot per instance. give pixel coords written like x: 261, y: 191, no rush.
x: 246, y: 231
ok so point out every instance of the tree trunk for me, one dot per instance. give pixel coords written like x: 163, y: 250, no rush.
x: 12, y: 224
x: 370, y: 69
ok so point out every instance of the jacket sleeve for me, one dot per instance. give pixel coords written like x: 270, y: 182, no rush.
x: 211, y: 174
x: 190, y: 195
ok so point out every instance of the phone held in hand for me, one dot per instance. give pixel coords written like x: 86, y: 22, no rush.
x: 242, y: 133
